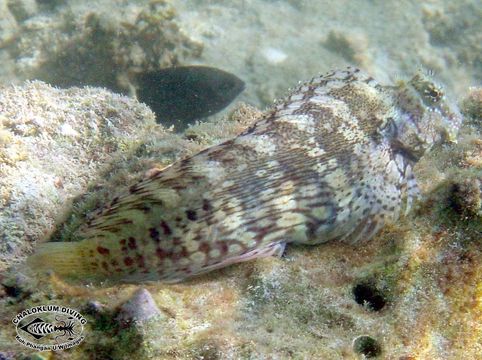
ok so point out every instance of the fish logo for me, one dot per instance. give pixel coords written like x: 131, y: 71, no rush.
x: 49, y: 327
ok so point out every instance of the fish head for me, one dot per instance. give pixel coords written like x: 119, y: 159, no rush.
x: 223, y: 87
x: 425, y: 118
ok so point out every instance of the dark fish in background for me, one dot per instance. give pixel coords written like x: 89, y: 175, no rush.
x: 179, y: 95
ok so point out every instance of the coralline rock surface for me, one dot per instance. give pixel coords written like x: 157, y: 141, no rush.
x: 83, y: 43
x: 65, y: 42
x: 264, y: 42
x: 52, y: 144
x: 413, y: 292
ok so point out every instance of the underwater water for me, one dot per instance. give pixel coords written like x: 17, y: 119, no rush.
x: 218, y: 180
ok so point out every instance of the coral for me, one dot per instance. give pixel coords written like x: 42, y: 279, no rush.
x: 472, y: 105
x: 352, y: 46
x: 8, y: 24
x: 467, y: 197
x: 22, y: 9
x: 456, y: 25
x: 210, y: 133
x: 52, y: 144
x: 83, y: 45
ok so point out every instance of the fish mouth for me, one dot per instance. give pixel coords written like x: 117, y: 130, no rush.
x: 412, y: 154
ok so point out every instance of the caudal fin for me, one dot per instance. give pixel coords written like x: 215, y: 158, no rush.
x: 64, y: 258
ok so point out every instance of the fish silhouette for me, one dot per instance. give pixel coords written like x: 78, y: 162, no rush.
x: 179, y: 95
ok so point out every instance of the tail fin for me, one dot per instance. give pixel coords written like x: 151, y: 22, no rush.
x: 64, y: 258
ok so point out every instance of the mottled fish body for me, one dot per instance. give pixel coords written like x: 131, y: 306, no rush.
x: 332, y: 162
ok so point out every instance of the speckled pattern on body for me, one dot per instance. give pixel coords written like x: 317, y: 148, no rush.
x: 332, y: 162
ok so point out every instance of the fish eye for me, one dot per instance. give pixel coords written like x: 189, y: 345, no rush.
x: 433, y: 93
x: 391, y: 129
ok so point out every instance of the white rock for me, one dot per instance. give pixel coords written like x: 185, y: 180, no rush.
x: 274, y: 56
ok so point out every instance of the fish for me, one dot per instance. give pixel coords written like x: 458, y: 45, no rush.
x: 331, y: 162
x: 39, y: 328
x: 180, y: 95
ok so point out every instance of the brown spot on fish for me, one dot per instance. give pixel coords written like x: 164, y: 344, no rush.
x: 154, y: 234
x: 223, y: 247
x: 132, y: 243
x: 161, y: 254
x: 140, y: 261
x: 204, y: 247
x: 191, y: 215
x: 206, y: 205
x: 165, y: 228
x: 103, y: 251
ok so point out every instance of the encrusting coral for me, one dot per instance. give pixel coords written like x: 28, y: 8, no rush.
x: 53, y: 143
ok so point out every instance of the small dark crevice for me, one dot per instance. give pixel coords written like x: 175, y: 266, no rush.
x: 367, y: 346
x: 369, y: 296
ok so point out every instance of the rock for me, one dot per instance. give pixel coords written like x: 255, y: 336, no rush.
x: 93, y: 307
x: 90, y: 44
x: 17, y: 285
x: 22, y: 9
x: 8, y: 24
x: 138, y: 328
x: 467, y: 197
x: 458, y: 26
x: 352, y: 45
x: 7, y: 355
x: 52, y: 144
x: 472, y: 105
x: 141, y: 307
x: 367, y: 347
x: 273, y: 55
